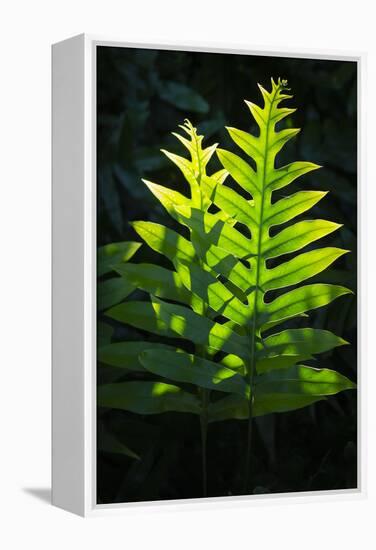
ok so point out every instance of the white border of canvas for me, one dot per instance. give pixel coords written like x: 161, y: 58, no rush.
x: 84, y: 501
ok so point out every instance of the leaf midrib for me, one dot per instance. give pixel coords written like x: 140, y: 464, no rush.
x: 259, y: 245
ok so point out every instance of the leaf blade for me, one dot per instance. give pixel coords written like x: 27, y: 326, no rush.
x: 164, y: 240
x: 288, y: 208
x: 189, y: 368
x: 112, y: 291
x: 156, y: 280
x: 114, y: 253
x: 300, y: 300
x: 125, y: 355
x: 147, y: 398
x: 301, y: 342
x: 297, y: 236
x: 300, y: 268
x: 240, y: 170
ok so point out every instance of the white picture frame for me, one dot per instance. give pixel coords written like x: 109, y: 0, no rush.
x: 74, y: 280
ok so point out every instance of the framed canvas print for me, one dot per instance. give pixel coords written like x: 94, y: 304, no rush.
x: 205, y: 275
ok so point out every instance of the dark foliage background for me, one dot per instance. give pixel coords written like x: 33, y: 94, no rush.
x: 142, y: 96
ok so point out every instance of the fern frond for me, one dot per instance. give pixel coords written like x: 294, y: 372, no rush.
x: 222, y: 272
x: 218, y: 295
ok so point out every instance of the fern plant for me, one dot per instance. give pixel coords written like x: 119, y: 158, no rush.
x: 216, y: 297
x: 272, y: 367
x: 185, y: 315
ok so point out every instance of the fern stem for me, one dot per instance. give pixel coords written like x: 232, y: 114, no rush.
x: 249, y: 445
x: 201, y: 351
x: 204, y: 438
x: 254, y: 330
x: 251, y: 374
x: 205, y: 399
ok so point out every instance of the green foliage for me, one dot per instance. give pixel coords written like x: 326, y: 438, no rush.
x: 114, y: 253
x: 231, y: 279
x: 147, y: 397
x: 110, y: 291
x: 221, y: 273
x: 309, y: 449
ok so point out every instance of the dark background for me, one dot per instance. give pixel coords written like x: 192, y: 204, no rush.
x: 142, y: 96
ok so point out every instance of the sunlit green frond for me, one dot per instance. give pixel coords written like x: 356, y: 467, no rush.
x: 259, y: 215
x: 217, y: 295
x: 193, y: 170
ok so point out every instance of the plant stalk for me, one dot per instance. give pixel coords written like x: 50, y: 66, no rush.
x: 254, y: 334
x: 204, y: 437
x: 201, y: 350
x: 251, y: 373
x: 249, y: 445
